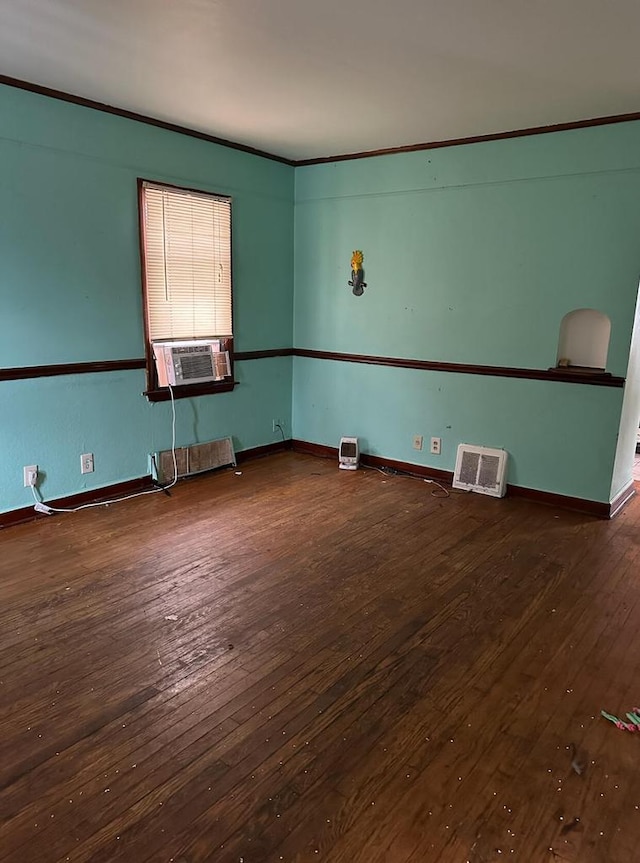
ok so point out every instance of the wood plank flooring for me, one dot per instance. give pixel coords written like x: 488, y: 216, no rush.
x: 303, y: 664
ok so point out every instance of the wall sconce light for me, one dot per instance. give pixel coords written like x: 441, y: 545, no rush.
x: 357, y: 273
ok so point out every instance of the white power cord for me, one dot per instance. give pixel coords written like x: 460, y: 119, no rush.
x: 433, y: 491
x: 173, y: 441
x: 41, y: 506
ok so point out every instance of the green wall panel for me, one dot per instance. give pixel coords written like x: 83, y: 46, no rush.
x: 70, y: 291
x: 385, y: 407
x: 472, y: 255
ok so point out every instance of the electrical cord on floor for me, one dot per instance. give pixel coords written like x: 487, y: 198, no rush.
x: 385, y: 471
x: 434, y: 493
x: 279, y: 427
x: 390, y: 471
x: 41, y: 506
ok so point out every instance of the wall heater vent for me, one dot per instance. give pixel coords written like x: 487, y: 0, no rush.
x: 194, y: 459
x: 481, y: 469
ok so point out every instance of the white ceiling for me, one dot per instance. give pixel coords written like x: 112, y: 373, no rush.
x: 304, y: 79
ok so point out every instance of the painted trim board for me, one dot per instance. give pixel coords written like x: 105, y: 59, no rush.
x: 622, y: 499
x: 121, y: 489
x: 563, y: 375
x: 476, y: 139
x: 589, y: 507
x: 96, y: 495
x: 561, y: 501
x: 61, y: 95
x: 601, y: 379
x: 47, y: 371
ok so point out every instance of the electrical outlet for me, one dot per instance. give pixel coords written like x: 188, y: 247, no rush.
x: 30, y: 475
x: 277, y: 425
x: 417, y: 441
x: 435, y: 445
x: 86, y: 462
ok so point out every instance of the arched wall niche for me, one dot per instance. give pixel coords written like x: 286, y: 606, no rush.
x: 584, y: 339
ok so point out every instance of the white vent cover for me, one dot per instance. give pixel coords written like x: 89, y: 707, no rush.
x: 481, y: 469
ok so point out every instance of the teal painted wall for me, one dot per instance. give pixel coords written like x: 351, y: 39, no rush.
x: 70, y: 292
x: 53, y: 420
x: 384, y: 407
x: 473, y: 255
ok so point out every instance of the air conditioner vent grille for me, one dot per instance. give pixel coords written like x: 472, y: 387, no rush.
x: 481, y: 469
x: 197, y: 365
x: 489, y: 470
x: 469, y: 467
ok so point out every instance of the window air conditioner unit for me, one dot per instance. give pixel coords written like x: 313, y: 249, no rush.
x: 481, y: 469
x: 190, y: 362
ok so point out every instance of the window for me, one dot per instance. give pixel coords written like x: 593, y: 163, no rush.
x: 186, y: 267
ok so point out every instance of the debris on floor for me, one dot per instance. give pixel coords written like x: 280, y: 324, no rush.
x: 633, y: 717
x: 579, y: 759
x: 571, y: 825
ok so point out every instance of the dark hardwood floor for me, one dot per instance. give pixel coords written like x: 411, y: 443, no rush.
x: 302, y: 664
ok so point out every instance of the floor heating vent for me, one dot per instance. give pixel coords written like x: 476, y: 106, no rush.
x: 193, y: 459
x: 481, y: 469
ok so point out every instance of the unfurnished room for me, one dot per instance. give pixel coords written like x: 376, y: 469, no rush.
x: 319, y: 409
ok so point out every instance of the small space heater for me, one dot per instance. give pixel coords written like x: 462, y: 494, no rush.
x: 348, y: 453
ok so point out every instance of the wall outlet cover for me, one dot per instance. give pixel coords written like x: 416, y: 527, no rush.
x: 86, y: 462
x: 30, y: 475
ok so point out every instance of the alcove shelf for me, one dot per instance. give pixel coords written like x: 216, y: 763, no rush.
x: 583, y: 343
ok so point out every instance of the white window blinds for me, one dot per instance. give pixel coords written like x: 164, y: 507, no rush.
x: 187, y: 249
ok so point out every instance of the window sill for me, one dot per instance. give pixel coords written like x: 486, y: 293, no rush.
x: 189, y: 390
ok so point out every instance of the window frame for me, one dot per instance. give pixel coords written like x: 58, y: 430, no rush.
x: 154, y: 392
